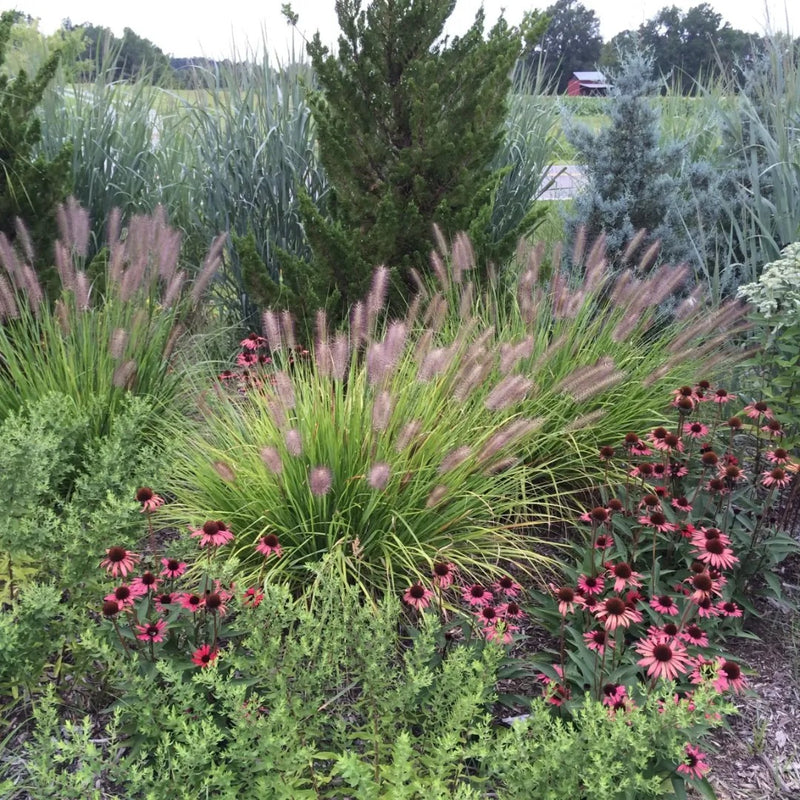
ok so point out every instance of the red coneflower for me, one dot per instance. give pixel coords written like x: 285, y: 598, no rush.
x: 694, y: 765
x: 721, y: 396
x: 204, y: 655
x: 777, y: 456
x: 119, y: 561
x: 173, y: 568
x: 252, y: 342
x: 269, y: 544
x: 566, y: 598
x: 666, y: 632
x: 418, y: 596
x: 729, y: 676
x: 510, y: 610
x: 247, y: 359
x: 713, y: 551
x: 613, y: 693
x: 606, y: 453
x: 774, y: 428
x: 727, y: 608
x: 164, y: 602
x: 476, y: 595
x: 123, y: 595
x: 191, y: 602
x: 657, y: 520
x: 488, y: 615
x: 444, y: 574
x: 697, y: 430
x: 213, y: 532
x: 663, y: 659
x: 603, y: 542
x: 614, y: 613
x: 755, y: 410
x: 664, y: 604
x: 149, y: 499
x: 657, y: 436
x: 681, y: 504
x: 152, y: 631
x: 146, y: 582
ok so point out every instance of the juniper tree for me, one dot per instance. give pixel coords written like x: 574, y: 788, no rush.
x: 30, y: 185
x: 407, y: 124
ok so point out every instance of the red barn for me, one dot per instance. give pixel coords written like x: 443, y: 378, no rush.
x: 587, y: 84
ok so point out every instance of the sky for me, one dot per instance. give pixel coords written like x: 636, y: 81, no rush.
x: 217, y: 30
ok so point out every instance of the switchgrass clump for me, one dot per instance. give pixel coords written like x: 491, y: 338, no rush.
x: 455, y: 433
x: 107, y: 335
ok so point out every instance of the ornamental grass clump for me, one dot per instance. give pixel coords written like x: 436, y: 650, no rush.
x: 107, y: 335
x: 442, y: 435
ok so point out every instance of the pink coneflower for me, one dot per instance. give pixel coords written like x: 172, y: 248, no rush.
x: 623, y: 575
x: 657, y: 436
x: 502, y: 632
x: 204, y: 655
x: 597, y: 640
x: 444, y: 574
x: 488, y: 615
x: 252, y: 342
x: 191, y: 602
x: 510, y: 610
x: 507, y: 586
x: 613, y: 693
x: 269, y: 544
x: 152, y: 631
x: 667, y: 632
x: 247, y: 359
x: 721, y: 396
x: 714, y: 552
x: 777, y: 476
x: 678, y: 469
x: 729, y: 676
x: 111, y: 608
x: 606, y: 453
x: 555, y: 693
x: 774, y: 429
x: 149, y: 499
x: 694, y: 634
x: 777, y: 456
x: 643, y: 471
x: 757, y: 409
x: 119, y: 561
x: 213, y: 532
x: 590, y: 584
x: 418, y: 596
x: 252, y: 597
x: 173, y: 568
x: 681, y: 504
x: 614, y: 613
x: 694, y: 765
x: 727, y: 608
x: 124, y: 595
x: 165, y: 602
x: 663, y: 659
x: 227, y: 375
x: 702, y: 584
x: 657, y: 520
x: 603, y: 542
x: 567, y: 598
x: 697, y: 430
x: 146, y: 582
x: 717, y: 486
x: 596, y: 515
x: 615, y: 505
x: 664, y: 604
x: 476, y: 595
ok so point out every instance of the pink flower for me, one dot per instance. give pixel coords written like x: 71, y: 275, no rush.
x: 506, y: 586
x: 714, y: 552
x: 418, y: 596
x: 694, y: 634
x: 146, y: 582
x: 681, y: 504
x: 444, y: 574
x: 729, y: 676
x: 623, y: 575
x: 152, y: 631
x: 567, y: 598
x: 777, y: 476
x: 173, y: 568
x: 165, y: 602
x: 613, y: 693
x: 252, y: 597
x: 727, y: 608
x: 555, y: 693
x: 778, y: 456
x: 213, y: 532
x: 667, y: 632
x: 510, y: 610
x: 664, y: 604
x: 603, y: 542
x: 663, y: 659
x: 149, y: 500
x: 693, y: 765
x: 191, y: 602
x: 204, y: 655
x: 721, y: 396
x: 615, y: 613
x: 696, y: 430
x: 590, y: 584
x: 247, y: 359
x: 119, y: 561
x: 755, y: 410
x: 476, y: 595
x: 502, y: 632
x: 269, y: 544
x: 597, y: 640
x: 124, y: 595
x: 488, y: 616
x: 657, y: 520
x: 252, y: 342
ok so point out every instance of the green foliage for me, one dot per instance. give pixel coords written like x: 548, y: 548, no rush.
x: 30, y: 184
x: 408, y: 127
x: 595, y: 754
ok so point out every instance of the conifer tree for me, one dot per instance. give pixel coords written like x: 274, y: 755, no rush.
x: 30, y: 185
x: 407, y: 124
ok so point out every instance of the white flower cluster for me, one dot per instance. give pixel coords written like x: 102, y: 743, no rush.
x: 777, y: 291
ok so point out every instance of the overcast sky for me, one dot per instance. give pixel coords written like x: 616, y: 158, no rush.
x: 200, y: 27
